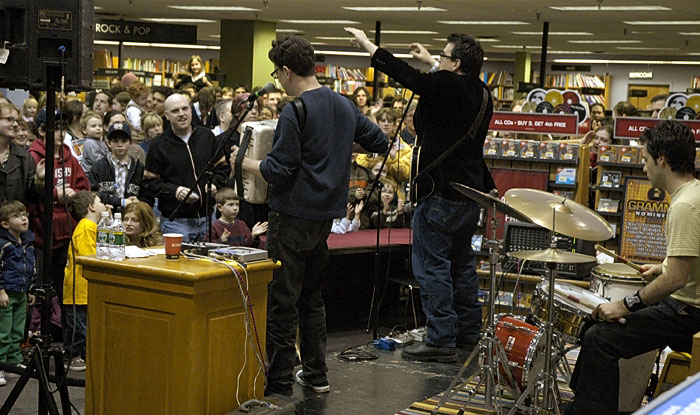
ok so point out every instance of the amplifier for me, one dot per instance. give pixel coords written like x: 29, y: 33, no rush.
x: 520, y: 236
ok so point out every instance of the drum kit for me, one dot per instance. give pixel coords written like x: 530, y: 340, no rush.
x: 522, y: 358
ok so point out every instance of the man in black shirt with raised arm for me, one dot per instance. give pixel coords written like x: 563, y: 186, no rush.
x: 444, y: 221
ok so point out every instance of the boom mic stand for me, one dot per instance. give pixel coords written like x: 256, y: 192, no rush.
x: 207, y: 172
x: 373, y: 323
x: 42, y: 349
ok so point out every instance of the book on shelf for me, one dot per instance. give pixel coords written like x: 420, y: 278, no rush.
x: 628, y: 154
x: 611, y: 178
x: 565, y: 175
x: 529, y: 149
x: 492, y: 146
x: 568, y: 151
x: 549, y: 150
x: 510, y: 148
x: 497, y: 78
x: 569, y: 194
x: 607, y: 153
x: 608, y: 205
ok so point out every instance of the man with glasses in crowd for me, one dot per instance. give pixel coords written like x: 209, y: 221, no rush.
x: 17, y: 168
x: 444, y: 221
x: 308, y: 169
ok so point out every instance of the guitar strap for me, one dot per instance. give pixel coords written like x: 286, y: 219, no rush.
x: 470, y: 135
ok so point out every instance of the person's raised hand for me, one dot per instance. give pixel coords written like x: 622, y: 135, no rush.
x: 259, y: 229
x: 419, y: 52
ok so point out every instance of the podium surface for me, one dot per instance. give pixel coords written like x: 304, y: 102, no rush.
x: 169, y: 336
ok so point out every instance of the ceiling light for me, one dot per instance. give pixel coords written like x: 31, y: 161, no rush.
x: 642, y: 48
x: 570, y: 52
x: 403, y: 45
x: 484, y: 40
x: 289, y: 31
x: 608, y: 8
x: 689, y: 33
x: 393, y: 9
x: 216, y: 8
x: 555, y: 33
x: 334, y: 38
x: 349, y: 53
x: 663, y: 22
x: 515, y: 47
x: 215, y: 36
x: 98, y: 8
x: 318, y: 43
x: 405, y: 32
x: 157, y: 45
x: 485, y: 22
x: 627, y: 61
x: 606, y: 41
x: 320, y: 21
x: 176, y: 20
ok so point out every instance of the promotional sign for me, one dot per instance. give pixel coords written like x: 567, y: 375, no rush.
x: 558, y: 124
x: 642, y: 237
x: 144, y: 32
x: 632, y: 127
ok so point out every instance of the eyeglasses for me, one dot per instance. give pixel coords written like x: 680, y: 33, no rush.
x: 11, y: 120
x: 274, y: 73
x: 443, y: 56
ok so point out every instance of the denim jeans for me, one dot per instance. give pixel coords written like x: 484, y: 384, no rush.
x: 444, y: 267
x: 294, y: 297
x: 74, y: 345
x: 192, y: 229
x: 596, y: 377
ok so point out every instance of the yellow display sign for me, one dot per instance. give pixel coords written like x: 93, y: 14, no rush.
x: 642, y: 237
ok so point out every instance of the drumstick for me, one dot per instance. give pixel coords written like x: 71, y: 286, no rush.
x: 622, y: 259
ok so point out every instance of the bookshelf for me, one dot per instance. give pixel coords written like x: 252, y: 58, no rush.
x: 502, y: 89
x: 583, y: 83
x: 149, y: 71
x: 343, y: 80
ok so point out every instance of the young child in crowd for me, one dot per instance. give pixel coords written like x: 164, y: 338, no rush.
x: 152, y: 125
x: 85, y: 207
x: 23, y: 138
x: 349, y: 223
x: 94, y: 148
x: 17, y: 262
x: 390, y: 206
x: 29, y: 107
x: 117, y: 177
x: 142, y: 228
x: 230, y: 230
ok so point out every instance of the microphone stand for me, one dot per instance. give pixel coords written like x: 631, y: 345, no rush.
x: 373, y: 323
x: 207, y: 173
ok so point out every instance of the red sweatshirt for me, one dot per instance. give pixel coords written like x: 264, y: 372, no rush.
x: 73, y: 175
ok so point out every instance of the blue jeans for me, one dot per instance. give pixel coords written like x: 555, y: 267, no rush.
x: 294, y: 298
x: 74, y: 346
x: 445, y: 269
x: 192, y: 229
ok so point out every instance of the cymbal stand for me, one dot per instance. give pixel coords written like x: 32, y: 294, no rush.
x: 546, y: 380
x: 490, y: 350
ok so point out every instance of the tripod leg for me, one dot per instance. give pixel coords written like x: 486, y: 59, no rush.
x: 60, y: 374
x: 46, y: 401
x: 521, y: 399
x: 18, y: 388
x: 451, y: 389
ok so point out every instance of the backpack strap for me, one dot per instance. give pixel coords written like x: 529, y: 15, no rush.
x: 299, y: 107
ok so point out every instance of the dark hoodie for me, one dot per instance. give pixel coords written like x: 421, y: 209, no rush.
x: 17, y: 261
x: 74, y: 177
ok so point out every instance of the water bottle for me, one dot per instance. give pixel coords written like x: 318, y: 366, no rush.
x: 103, y: 231
x: 117, y: 244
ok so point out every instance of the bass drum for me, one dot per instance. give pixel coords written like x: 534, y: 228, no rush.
x: 524, y: 345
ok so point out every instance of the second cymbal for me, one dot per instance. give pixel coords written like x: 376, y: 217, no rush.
x: 572, y: 219
x: 553, y: 255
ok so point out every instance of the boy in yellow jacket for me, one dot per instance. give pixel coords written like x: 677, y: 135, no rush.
x: 87, y: 208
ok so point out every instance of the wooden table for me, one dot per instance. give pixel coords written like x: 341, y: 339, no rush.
x: 169, y: 337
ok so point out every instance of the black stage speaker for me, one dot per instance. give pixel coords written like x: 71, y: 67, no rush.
x: 35, y: 31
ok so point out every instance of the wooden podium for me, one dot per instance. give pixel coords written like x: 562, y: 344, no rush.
x: 169, y: 336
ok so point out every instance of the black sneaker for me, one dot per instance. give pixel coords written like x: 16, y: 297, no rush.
x: 424, y: 352
x: 321, y: 387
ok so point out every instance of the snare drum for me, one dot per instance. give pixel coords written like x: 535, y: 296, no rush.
x: 615, y: 281
x: 569, y: 315
x: 524, y: 347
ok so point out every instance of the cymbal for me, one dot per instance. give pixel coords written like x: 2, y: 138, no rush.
x: 553, y: 255
x: 488, y: 201
x: 572, y: 219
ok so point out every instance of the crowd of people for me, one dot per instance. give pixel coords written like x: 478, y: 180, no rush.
x: 141, y: 151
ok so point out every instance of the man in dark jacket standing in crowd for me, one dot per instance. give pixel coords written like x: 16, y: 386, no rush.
x: 175, y: 160
x: 451, y: 96
x: 309, y: 171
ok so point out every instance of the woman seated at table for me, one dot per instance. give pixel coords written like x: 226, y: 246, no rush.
x: 141, y: 225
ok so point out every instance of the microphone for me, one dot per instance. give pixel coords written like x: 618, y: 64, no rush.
x: 262, y: 91
x: 494, y: 193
